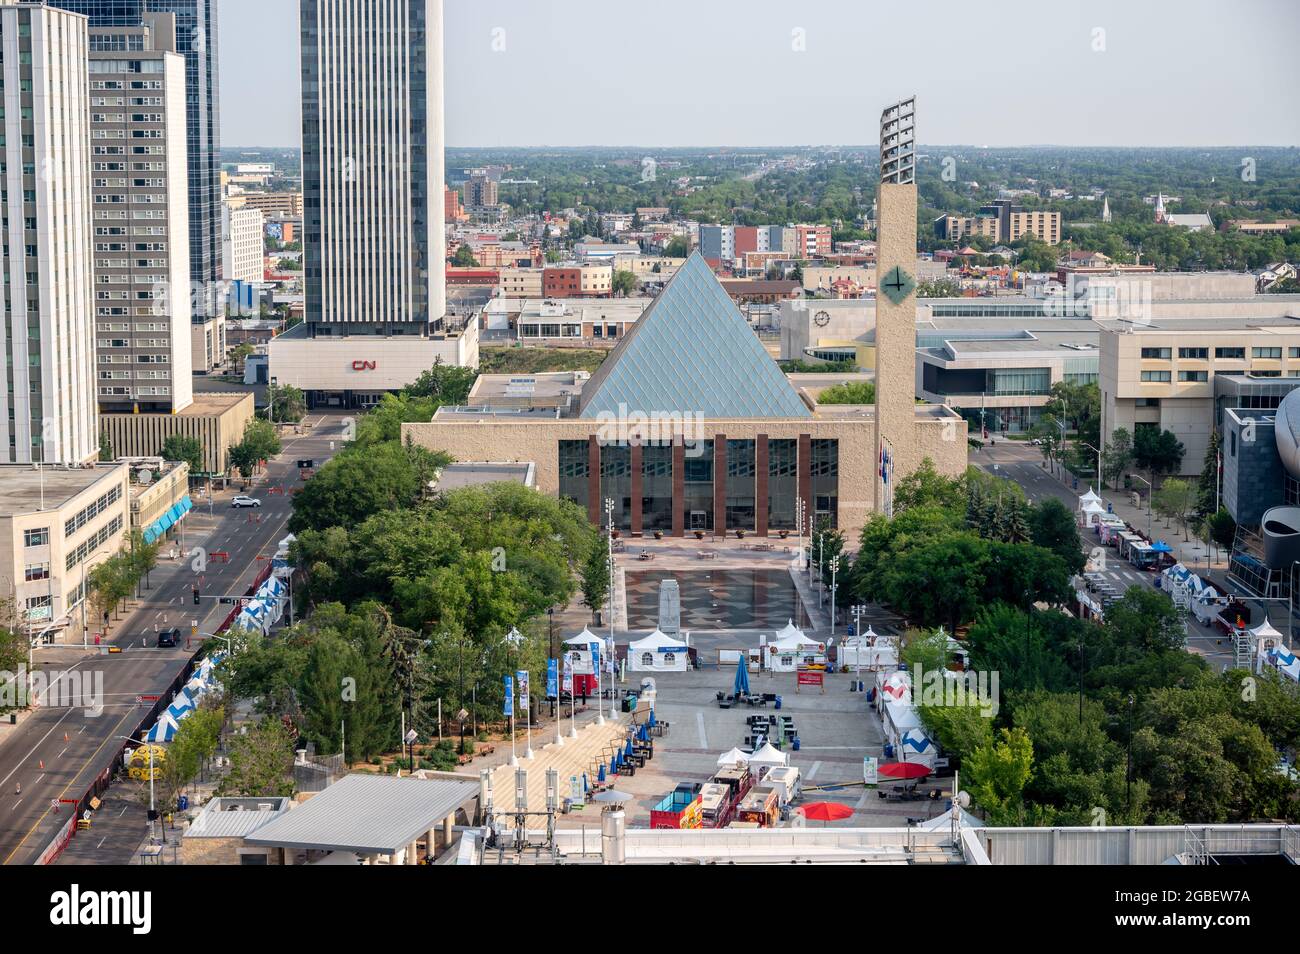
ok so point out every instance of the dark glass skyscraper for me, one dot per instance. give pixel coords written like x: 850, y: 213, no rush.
x: 196, y: 40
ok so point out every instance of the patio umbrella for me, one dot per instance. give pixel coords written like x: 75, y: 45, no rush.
x: 741, y: 686
x: 652, y: 718
x: 826, y: 811
x: 627, y: 750
x: 904, y: 770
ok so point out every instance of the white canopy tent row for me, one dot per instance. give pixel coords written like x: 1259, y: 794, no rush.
x: 868, y: 651
x: 658, y: 652
x: 266, y: 607
x: 733, y: 757
x: 1271, y: 651
x: 766, y: 758
x: 201, y: 681
x: 906, y: 733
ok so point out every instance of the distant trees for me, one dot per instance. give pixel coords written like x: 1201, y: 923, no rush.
x: 1158, y: 452
x: 1176, y: 499
x: 260, y: 442
x: 1116, y: 457
x: 624, y: 283
x: 261, y: 761
x: 285, y: 404
x: 464, y: 258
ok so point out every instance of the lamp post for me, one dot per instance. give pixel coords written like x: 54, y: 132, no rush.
x: 550, y: 654
x: 600, y: 660
x: 1151, y: 492
x: 835, y: 568
x: 1060, y: 453
x: 1101, y: 484
x: 153, y: 812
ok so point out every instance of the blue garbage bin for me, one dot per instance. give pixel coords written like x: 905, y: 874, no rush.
x: 795, y: 743
x: 778, y: 702
x: 889, y: 750
x: 182, y: 802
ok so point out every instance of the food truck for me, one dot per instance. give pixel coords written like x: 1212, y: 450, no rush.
x: 677, y: 809
x: 784, y: 780
x: 716, y: 806
x: 760, y: 806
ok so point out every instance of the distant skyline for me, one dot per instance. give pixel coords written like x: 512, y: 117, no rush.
x: 523, y: 73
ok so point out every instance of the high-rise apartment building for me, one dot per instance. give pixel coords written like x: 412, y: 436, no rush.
x: 196, y: 40
x: 140, y: 196
x: 1002, y: 221
x: 47, y: 329
x: 372, y: 142
x: 243, y: 245
x: 480, y: 190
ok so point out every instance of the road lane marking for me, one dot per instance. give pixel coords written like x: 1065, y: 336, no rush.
x: 812, y: 772
x: 699, y: 722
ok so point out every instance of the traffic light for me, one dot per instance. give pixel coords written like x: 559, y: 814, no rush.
x: 196, y: 596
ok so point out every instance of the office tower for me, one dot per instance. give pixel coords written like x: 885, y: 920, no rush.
x: 196, y: 40
x: 372, y: 142
x: 480, y: 190
x: 141, y: 217
x: 47, y: 329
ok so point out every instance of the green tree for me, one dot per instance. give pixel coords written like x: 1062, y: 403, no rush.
x: 464, y: 258
x: 285, y: 404
x: 182, y: 448
x: 261, y: 761
x: 1207, y: 498
x: 260, y: 442
x: 106, y: 454
x: 444, y: 383
x: 1116, y: 457
x: 1157, y: 452
x: 624, y: 283
x: 1053, y: 527
x: 1177, y: 499
x: 850, y: 392
x: 357, y: 484
x: 679, y: 246
x: 595, y: 577
x: 925, y: 486
x: 996, y: 775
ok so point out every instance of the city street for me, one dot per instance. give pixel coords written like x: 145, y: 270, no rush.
x: 1023, y: 463
x: 57, y: 752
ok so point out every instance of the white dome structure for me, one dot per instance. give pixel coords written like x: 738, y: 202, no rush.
x: 1286, y: 432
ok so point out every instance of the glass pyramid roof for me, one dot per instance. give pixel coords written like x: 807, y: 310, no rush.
x: 692, y: 352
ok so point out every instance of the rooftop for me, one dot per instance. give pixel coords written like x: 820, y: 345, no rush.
x: 24, y: 486
x: 368, y: 814
x: 235, y: 817
x: 476, y: 473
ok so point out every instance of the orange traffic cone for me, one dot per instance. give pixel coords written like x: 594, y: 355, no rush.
x: 65, y: 737
x: 41, y: 764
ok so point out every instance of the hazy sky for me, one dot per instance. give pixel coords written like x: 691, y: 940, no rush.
x: 761, y: 72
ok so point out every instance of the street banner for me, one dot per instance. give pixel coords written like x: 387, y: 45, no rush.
x: 508, y: 707
x: 522, y: 678
x: 870, y: 769
x: 552, y: 679
x: 567, y: 684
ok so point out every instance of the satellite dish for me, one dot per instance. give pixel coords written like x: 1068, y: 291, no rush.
x: 963, y: 799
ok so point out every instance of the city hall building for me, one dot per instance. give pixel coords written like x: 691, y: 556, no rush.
x: 689, y: 425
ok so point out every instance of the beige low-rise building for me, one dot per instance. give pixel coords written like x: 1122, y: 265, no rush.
x: 216, y: 418
x: 1161, y: 374
x: 56, y: 525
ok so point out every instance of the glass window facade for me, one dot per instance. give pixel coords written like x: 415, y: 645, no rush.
x: 826, y: 480
x: 616, y: 483
x: 782, y: 483
x: 575, y: 471
x: 741, y: 485
x: 657, y: 487
x: 698, y: 501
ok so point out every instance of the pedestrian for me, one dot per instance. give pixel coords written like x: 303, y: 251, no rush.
x: 18, y: 788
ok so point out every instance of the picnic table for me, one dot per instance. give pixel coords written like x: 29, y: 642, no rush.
x: 706, y: 554
x: 645, y: 555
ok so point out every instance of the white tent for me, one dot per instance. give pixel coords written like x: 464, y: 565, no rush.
x: 657, y: 652
x: 734, y: 757
x: 767, y: 757
x: 787, y: 654
x: 869, y: 651
x: 916, y: 746
x: 1265, y: 630
x: 1089, y: 497
x: 789, y: 630
x: 1092, y: 513
x: 578, y: 650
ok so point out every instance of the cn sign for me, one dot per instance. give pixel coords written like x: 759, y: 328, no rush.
x: 363, y: 365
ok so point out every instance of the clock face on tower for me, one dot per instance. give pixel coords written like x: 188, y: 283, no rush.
x: 897, y: 285
x: 822, y: 318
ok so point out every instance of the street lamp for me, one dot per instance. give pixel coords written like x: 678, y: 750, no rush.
x: 1151, y: 491
x: 153, y: 813
x: 1101, y: 484
x: 1060, y: 453
x: 600, y: 656
x: 835, y: 568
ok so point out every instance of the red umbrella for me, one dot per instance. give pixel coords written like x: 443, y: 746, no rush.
x: 826, y: 811
x: 904, y: 770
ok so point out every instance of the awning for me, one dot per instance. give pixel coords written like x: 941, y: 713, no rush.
x: 174, y: 515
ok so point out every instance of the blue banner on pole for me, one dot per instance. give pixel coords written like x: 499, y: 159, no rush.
x: 508, y: 707
x: 552, y: 679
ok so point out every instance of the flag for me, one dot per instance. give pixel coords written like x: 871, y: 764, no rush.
x: 552, y: 679
x: 508, y: 707
x: 521, y: 677
x: 567, y: 683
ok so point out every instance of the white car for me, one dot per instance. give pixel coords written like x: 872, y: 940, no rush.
x: 245, y: 501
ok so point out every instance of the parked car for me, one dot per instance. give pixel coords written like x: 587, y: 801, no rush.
x: 243, y: 500
x: 169, y: 638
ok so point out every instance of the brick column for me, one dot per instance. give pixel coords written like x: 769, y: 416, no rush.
x: 719, y: 485
x: 636, y: 452
x: 679, y: 487
x: 760, y: 485
x: 805, y: 477
x: 595, y: 508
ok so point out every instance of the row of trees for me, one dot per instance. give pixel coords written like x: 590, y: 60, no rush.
x: 113, y: 581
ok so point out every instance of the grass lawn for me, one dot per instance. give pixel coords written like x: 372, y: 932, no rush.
x: 521, y: 360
